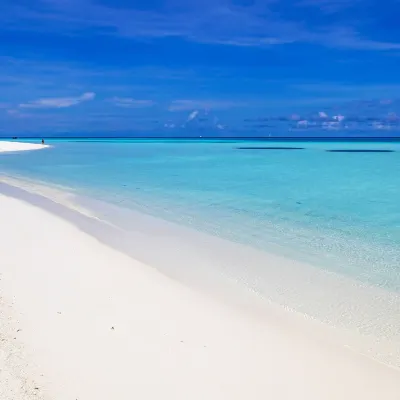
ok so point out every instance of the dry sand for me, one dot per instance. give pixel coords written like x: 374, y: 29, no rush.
x: 80, y: 321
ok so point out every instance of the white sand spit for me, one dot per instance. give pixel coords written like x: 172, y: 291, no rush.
x: 20, y: 146
x: 82, y: 321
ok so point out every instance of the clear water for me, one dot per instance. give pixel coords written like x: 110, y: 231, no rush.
x: 339, y: 211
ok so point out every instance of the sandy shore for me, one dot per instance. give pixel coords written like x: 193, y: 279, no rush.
x: 81, y: 321
x: 19, y: 146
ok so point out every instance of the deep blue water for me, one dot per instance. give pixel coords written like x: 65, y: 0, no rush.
x: 337, y: 210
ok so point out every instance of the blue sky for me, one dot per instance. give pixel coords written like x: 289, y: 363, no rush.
x: 175, y: 67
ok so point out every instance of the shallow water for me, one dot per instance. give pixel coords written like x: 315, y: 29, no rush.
x: 337, y: 210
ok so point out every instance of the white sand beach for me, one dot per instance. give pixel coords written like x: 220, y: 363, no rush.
x: 81, y: 321
x: 20, y: 146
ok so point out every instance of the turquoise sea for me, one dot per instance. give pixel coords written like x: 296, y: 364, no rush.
x: 336, y: 210
x: 330, y: 205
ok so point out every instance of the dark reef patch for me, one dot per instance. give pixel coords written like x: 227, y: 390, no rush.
x: 360, y: 151
x: 270, y: 148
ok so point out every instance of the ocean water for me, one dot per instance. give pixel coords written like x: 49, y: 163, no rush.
x: 339, y: 211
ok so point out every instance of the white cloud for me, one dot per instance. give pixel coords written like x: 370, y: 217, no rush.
x: 18, y: 114
x: 128, y: 102
x: 59, y: 102
x: 219, y: 126
x: 338, y: 118
x: 87, y: 96
x: 330, y: 125
x: 323, y: 114
x: 380, y: 125
x: 302, y: 123
x: 192, y: 115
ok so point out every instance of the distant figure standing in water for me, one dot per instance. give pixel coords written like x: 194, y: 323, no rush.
x: 42, y: 141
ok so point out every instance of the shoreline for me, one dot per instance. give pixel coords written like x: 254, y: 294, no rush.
x: 361, y: 317
x: 101, y: 325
